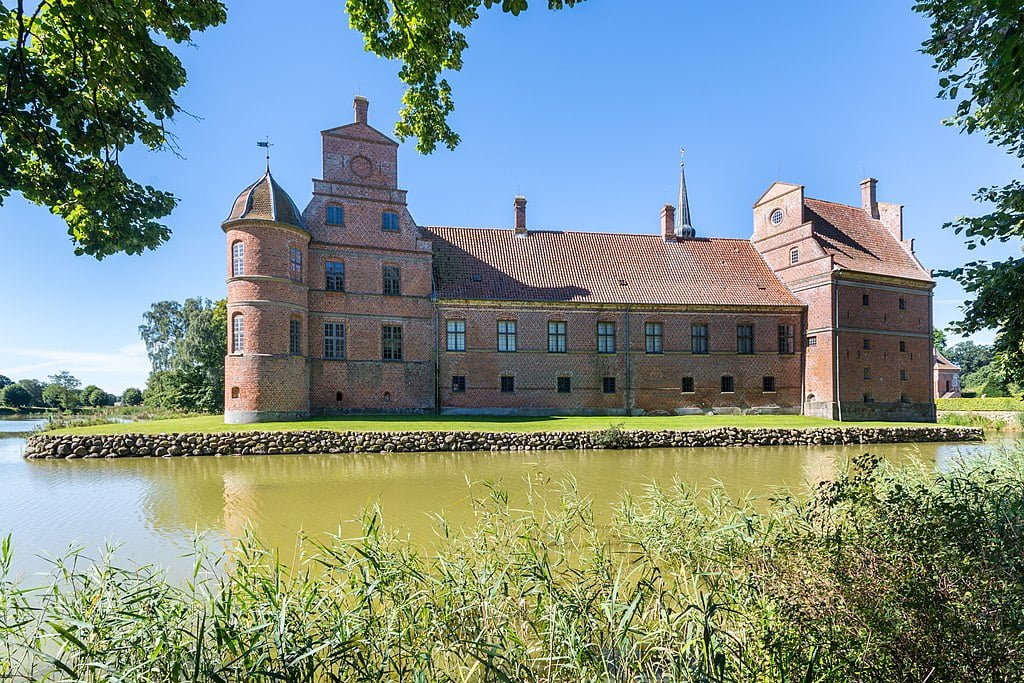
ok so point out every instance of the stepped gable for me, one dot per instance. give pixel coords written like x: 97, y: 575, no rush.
x: 587, y: 267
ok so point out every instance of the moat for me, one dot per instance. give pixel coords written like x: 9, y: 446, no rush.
x: 154, y: 506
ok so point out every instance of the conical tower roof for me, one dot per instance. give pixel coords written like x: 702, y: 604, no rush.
x: 265, y: 200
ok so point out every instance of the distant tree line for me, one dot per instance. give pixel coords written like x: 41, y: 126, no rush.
x: 63, y: 391
x: 185, y: 342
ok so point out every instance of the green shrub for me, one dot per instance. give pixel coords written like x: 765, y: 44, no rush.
x: 882, y: 575
x: 1000, y: 404
x: 973, y: 420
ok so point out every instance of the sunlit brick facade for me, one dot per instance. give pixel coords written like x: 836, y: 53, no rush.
x: 349, y: 306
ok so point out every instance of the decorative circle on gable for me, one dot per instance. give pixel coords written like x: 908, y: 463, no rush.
x: 776, y: 216
x: 361, y: 166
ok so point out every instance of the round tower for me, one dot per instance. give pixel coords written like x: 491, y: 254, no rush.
x: 266, y: 371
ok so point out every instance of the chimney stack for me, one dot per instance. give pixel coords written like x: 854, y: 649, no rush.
x: 361, y: 105
x: 868, y: 197
x: 520, y: 204
x: 668, y: 223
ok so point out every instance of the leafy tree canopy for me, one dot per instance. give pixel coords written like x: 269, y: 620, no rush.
x: 939, y: 340
x: 978, y: 47
x: 186, y: 344
x: 15, y: 396
x: 131, y: 397
x: 34, y: 387
x: 970, y: 356
x: 65, y: 379
x: 428, y: 38
x: 5, y: 381
x: 81, y: 80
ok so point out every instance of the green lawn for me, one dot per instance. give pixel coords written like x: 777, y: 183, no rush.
x: 400, y: 423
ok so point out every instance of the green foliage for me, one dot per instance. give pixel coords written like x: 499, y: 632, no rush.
x: 978, y: 47
x: 131, y: 397
x: 1000, y: 404
x: 611, y: 437
x: 939, y: 340
x: 34, y: 387
x: 988, y: 380
x: 428, y: 38
x: 15, y: 396
x: 186, y: 343
x: 93, y: 396
x: 973, y: 420
x: 970, y: 356
x: 83, y: 80
x: 881, y: 575
x: 5, y: 381
x: 62, y: 391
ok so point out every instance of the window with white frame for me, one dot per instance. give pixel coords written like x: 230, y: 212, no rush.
x: 295, y: 264
x: 237, y: 259
x: 237, y: 333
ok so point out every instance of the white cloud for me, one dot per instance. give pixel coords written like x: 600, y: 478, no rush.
x: 113, y: 371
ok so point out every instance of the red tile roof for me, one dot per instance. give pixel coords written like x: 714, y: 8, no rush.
x: 586, y: 267
x: 858, y: 242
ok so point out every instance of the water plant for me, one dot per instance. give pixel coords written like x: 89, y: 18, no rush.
x: 884, y: 574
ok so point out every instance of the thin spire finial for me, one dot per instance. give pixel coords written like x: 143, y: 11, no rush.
x: 266, y: 144
x: 683, y: 226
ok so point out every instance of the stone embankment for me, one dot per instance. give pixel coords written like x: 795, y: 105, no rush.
x: 72, y: 446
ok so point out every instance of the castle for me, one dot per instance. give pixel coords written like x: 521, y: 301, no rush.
x: 350, y: 306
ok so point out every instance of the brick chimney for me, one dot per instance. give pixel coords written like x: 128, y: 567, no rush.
x: 668, y: 223
x: 868, y: 197
x: 361, y: 105
x: 520, y: 204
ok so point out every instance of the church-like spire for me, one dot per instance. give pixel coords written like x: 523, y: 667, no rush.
x: 683, y: 227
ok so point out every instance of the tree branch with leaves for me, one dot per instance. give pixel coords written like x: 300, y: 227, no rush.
x: 978, y: 48
x: 80, y: 81
x: 428, y: 38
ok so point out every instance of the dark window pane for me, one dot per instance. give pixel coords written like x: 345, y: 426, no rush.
x: 608, y: 385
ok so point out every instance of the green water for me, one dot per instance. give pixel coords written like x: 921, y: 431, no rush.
x: 153, y: 507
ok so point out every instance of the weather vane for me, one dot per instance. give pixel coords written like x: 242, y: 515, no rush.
x: 266, y: 145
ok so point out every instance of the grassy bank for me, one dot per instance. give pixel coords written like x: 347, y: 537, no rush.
x: 883, y: 575
x: 405, y: 423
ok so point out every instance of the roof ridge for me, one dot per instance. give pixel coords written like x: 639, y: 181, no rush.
x: 584, y: 232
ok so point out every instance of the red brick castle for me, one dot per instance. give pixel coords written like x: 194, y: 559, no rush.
x: 350, y: 306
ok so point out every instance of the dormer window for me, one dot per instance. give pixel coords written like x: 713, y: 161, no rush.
x: 335, y: 215
x: 776, y: 217
x: 794, y: 255
x: 389, y: 221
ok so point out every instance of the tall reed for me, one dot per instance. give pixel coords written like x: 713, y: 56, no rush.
x: 884, y: 574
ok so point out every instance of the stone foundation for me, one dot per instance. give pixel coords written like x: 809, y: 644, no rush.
x: 71, y: 446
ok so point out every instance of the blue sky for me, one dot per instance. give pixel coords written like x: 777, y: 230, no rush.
x: 583, y: 111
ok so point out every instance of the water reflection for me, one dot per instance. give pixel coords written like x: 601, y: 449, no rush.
x: 155, y: 506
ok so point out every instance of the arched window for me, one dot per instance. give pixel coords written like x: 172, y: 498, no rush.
x: 235, y: 392
x: 794, y: 255
x: 237, y: 333
x: 237, y: 259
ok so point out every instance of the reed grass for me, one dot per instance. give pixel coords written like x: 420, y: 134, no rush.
x: 885, y: 574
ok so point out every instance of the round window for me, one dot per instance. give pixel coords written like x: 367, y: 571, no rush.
x: 776, y: 216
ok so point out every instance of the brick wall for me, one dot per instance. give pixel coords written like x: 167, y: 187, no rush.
x: 643, y: 381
